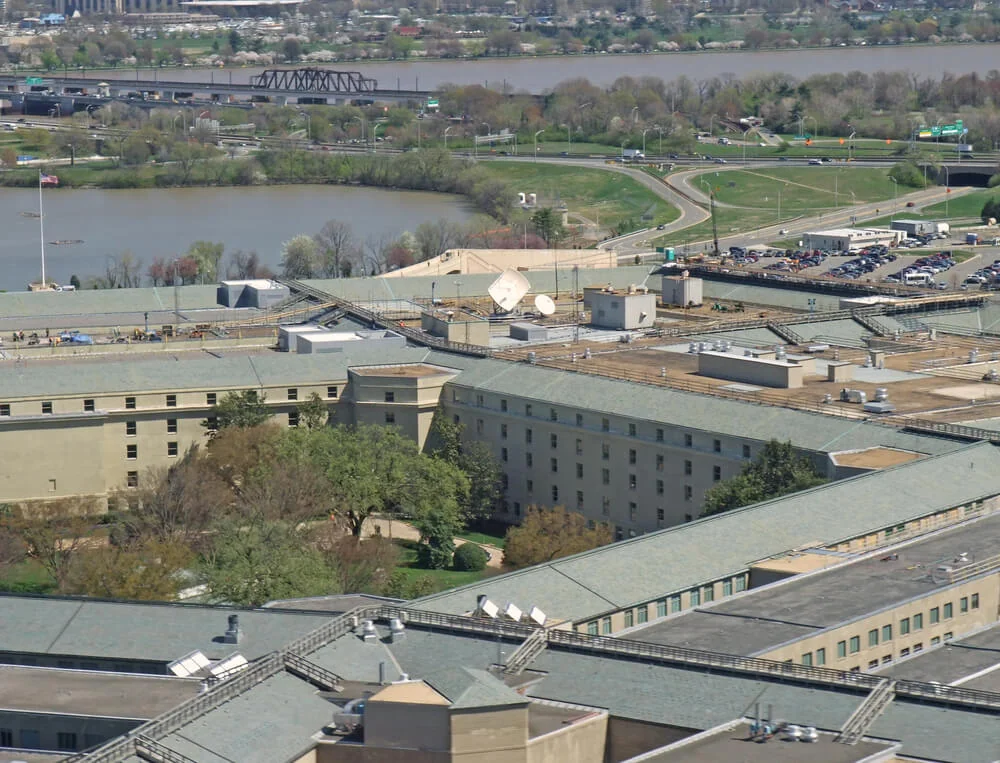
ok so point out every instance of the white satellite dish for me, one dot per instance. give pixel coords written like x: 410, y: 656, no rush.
x: 544, y: 304
x: 509, y: 289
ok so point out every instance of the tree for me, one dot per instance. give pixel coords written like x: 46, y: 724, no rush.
x: 313, y: 413
x: 243, y: 410
x: 364, y: 566
x: 470, y: 557
x: 547, y: 534
x: 54, y: 533
x: 244, y: 265
x: 208, y: 255
x: 336, y: 245
x: 150, y: 571
x: 548, y: 224
x: 991, y: 209
x: 8, y: 157
x: 299, y: 257
x: 437, y: 237
x: 778, y: 470
x: 291, y: 48
x: 252, y: 563
x: 433, y: 498
x: 75, y: 142
x: 475, y: 459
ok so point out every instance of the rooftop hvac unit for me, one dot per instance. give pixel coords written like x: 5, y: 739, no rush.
x: 792, y: 733
x: 368, y: 632
x: 809, y: 734
x: 231, y: 664
x: 396, y: 629
x: 513, y: 612
x: 692, y: 347
x: 537, y: 616
x: 189, y: 664
x: 488, y: 608
x: 881, y: 394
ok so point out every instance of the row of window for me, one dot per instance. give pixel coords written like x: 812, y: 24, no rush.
x: 132, y: 450
x: 633, y: 430
x: 633, y: 484
x: 818, y: 658
x: 31, y: 739
x: 132, y: 427
x: 907, y: 625
x: 211, y: 398
x: 639, y: 615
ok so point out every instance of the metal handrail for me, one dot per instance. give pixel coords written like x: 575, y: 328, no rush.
x: 158, y: 753
x: 317, y: 674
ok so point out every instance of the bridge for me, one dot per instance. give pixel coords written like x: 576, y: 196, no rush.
x: 280, y: 86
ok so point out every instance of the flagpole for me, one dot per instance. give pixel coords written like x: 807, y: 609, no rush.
x: 41, y: 226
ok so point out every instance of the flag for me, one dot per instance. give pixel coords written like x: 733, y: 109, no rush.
x: 44, y: 179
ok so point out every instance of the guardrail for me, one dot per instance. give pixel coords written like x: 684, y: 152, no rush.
x: 952, y: 430
x: 154, y: 751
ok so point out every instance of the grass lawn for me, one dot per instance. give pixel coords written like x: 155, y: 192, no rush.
x: 440, y: 579
x: 609, y: 199
x: 968, y: 205
x: 489, y: 540
x: 27, y: 577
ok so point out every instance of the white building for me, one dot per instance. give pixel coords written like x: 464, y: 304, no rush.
x: 846, y: 239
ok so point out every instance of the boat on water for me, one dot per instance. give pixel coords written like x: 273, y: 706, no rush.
x: 65, y: 241
x: 33, y: 215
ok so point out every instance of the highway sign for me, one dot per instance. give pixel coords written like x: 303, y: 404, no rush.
x: 33, y: 81
x: 942, y: 131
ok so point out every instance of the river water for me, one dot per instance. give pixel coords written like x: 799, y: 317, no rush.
x: 539, y: 74
x: 164, y: 223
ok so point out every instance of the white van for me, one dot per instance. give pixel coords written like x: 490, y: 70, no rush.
x: 916, y: 278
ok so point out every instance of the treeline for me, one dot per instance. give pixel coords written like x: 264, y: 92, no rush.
x: 264, y: 512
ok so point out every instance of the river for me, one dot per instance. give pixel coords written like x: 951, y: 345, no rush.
x: 541, y: 74
x: 164, y: 223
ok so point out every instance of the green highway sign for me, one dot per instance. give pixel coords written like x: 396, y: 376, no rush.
x: 432, y: 103
x: 33, y: 81
x: 942, y: 131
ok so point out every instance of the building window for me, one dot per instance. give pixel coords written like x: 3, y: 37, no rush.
x: 741, y: 584
x: 130, y: 403
x: 935, y: 640
x: 727, y: 587
x: 629, y: 618
x: 171, y: 426
x: 47, y: 407
x: 659, y: 515
x: 131, y: 480
x: 390, y: 397
x: 661, y: 608
x: 606, y: 506
x: 872, y: 664
x: 579, y: 419
x: 52, y: 486
x: 841, y: 649
x: 904, y: 626
x: 65, y: 740
x: 479, y: 401
x: 659, y: 435
x: 935, y: 615
x: 527, y: 409
x: 212, y: 423
x: 633, y: 511
x: 605, y: 476
x: 746, y: 451
x: 873, y: 637
x: 717, y: 446
x: 503, y: 454
x: 807, y: 659
x: 632, y: 482
x: 948, y: 636
x: 171, y: 401
x: 904, y: 653
x: 503, y: 431
x: 642, y: 614
x: 530, y: 485
x: 632, y: 456
x: 331, y: 392
x: 963, y: 604
x: 975, y: 601
x: 579, y: 500
x: 554, y: 465
x: 592, y: 628
x: 632, y: 431
x: 688, y: 441
x: 528, y: 435
x: 820, y: 656
x: 504, y: 481
x: 130, y: 428
x: 211, y: 398
x: 716, y: 473
x: 605, y: 425
x: 293, y: 393
x: 6, y: 738
x: 606, y: 625
x: 675, y: 603
x: 555, y: 493
x: 503, y: 406
x: 579, y: 447
x: 688, y: 468
x: 131, y: 452
x: 855, y: 644
x: 4, y: 411
x: 948, y: 611
x: 708, y: 594
x: 553, y: 440
x: 605, y: 451
x: 172, y: 449
x: 659, y: 487
x: 659, y: 462
x: 918, y: 621
x: 688, y: 493
x: 529, y: 460
x: 88, y: 406
x: 553, y: 416
x: 918, y: 647
x: 695, y: 598
x: 479, y: 426
x: 579, y: 471
x: 886, y: 633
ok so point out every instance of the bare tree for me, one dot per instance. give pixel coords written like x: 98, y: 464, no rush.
x: 437, y: 237
x: 54, y: 533
x: 336, y: 246
x: 376, y: 254
x: 244, y: 265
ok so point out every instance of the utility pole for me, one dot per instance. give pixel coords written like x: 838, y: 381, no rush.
x: 715, y: 225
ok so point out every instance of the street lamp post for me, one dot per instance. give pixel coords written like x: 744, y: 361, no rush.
x: 660, y: 131
x: 635, y: 114
x: 364, y: 124
x: 446, y: 129
x: 308, y: 119
x: 895, y: 196
x: 745, y: 146
x: 539, y: 132
x: 644, y: 142
x: 375, y: 136
x: 947, y: 189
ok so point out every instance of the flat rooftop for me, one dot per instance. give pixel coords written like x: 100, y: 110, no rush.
x: 90, y: 692
x: 874, y: 458
x: 408, y: 370
x: 763, y: 619
x: 736, y: 746
x: 955, y: 662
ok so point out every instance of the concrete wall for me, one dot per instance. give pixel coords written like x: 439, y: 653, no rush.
x: 619, y: 310
x: 627, y: 738
x: 456, y: 261
x: 580, y: 742
x: 490, y: 736
x: 681, y: 291
x: 404, y: 725
x: 347, y: 752
x: 750, y: 370
x: 40, y: 731
x: 463, y: 329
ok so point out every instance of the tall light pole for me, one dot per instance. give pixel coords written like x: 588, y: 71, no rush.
x: 308, y: 124
x: 644, y: 142
x: 364, y: 124
x: 779, y: 205
x: 895, y: 195
x: 947, y: 189
x: 660, y: 131
x: 375, y: 136
x: 489, y: 131
x: 446, y: 130
x: 539, y: 132
x: 569, y: 126
x: 745, y: 145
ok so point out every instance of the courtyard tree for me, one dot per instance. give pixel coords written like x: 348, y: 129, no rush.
x: 547, y: 534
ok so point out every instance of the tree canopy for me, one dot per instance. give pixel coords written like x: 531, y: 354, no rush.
x: 547, y: 534
x: 244, y: 410
x: 778, y: 470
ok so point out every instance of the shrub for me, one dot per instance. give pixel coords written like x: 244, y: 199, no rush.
x: 470, y: 558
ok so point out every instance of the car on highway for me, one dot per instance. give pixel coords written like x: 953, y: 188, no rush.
x: 816, y: 162
x: 720, y: 160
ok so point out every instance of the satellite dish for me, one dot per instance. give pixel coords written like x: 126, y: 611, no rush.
x: 544, y: 304
x: 509, y: 289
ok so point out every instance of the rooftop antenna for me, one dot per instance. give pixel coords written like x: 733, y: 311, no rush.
x: 508, y: 290
x: 545, y: 305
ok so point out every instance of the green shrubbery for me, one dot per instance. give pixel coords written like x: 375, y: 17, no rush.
x: 470, y: 558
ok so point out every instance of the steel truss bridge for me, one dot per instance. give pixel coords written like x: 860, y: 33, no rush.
x: 313, y: 80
